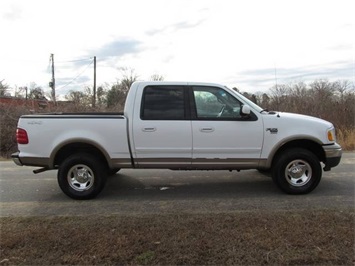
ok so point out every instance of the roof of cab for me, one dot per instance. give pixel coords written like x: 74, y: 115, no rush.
x: 181, y: 83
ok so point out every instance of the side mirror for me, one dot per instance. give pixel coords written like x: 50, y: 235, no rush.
x: 245, y: 110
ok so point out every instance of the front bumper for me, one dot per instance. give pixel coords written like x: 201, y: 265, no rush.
x: 332, y: 155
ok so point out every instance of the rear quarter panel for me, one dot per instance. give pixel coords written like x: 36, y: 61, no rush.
x: 47, y: 134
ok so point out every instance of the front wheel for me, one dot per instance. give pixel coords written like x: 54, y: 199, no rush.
x: 297, y: 171
x: 82, y: 176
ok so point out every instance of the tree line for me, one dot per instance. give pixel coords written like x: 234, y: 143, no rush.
x: 332, y: 101
x: 107, y: 96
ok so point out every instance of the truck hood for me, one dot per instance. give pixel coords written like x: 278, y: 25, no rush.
x: 304, y: 119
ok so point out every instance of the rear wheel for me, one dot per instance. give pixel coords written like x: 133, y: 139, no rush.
x: 297, y: 171
x: 82, y: 176
x: 113, y: 171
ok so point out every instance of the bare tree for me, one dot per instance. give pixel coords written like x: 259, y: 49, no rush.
x: 341, y: 86
x: 36, y: 92
x: 4, y: 89
x: 156, y: 77
x: 116, y: 96
x: 101, y: 96
x: 279, y: 95
x: 75, y: 97
x: 128, y: 77
x: 21, y: 92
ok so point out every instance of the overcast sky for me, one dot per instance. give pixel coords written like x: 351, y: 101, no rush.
x: 236, y: 43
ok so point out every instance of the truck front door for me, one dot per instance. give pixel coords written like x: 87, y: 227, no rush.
x: 222, y: 137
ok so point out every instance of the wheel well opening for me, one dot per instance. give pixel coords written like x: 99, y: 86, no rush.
x: 78, y: 147
x: 310, y: 145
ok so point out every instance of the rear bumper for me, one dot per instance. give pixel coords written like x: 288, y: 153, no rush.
x: 16, y: 158
x: 332, y: 156
x: 29, y: 161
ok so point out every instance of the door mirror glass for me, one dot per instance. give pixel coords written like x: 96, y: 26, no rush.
x: 245, y: 110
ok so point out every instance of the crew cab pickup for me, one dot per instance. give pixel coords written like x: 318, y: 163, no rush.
x: 178, y: 126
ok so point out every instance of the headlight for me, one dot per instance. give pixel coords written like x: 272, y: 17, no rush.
x: 331, y: 135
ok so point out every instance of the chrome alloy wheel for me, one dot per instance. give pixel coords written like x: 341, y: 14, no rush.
x: 298, y: 173
x: 80, y: 177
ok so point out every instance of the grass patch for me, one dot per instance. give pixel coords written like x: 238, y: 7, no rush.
x: 145, y: 257
x: 305, y: 237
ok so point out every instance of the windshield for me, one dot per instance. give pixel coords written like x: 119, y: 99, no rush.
x: 247, y: 101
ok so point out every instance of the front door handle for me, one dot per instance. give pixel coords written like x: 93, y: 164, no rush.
x: 149, y: 129
x: 207, y: 129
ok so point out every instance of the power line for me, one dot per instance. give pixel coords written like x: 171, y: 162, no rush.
x: 76, y: 76
x: 73, y: 61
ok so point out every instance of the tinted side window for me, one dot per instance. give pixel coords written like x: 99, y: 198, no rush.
x: 163, y: 103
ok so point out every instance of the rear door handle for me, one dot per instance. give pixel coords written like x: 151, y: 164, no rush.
x: 149, y: 129
x: 207, y: 129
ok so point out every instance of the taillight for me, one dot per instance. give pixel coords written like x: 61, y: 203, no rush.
x: 21, y: 136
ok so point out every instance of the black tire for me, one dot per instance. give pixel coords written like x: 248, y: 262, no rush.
x: 113, y: 171
x: 265, y: 171
x: 82, y: 176
x: 297, y: 171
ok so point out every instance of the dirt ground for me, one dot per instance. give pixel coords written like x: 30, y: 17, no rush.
x: 315, y: 237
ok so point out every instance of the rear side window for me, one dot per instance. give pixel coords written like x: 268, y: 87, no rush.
x: 163, y: 103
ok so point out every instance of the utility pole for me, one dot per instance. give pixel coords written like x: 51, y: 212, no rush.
x: 275, y: 77
x: 94, y: 96
x: 52, y: 82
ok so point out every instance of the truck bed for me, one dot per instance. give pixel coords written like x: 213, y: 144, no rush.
x: 48, y: 133
x: 83, y: 114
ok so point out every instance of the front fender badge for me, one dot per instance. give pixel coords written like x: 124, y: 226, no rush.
x: 272, y: 130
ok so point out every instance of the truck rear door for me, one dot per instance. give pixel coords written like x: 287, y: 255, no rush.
x: 162, y: 135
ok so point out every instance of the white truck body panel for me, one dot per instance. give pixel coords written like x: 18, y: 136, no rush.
x: 293, y: 126
x: 48, y: 134
x: 162, y: 139
x: 190, y: 142
x: 227, y: 139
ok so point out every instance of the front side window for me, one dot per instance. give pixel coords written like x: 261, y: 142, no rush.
x: 214, y: 103
x: 163, y: 103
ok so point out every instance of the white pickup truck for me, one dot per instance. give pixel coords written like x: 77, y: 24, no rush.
x: 178, y: 126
